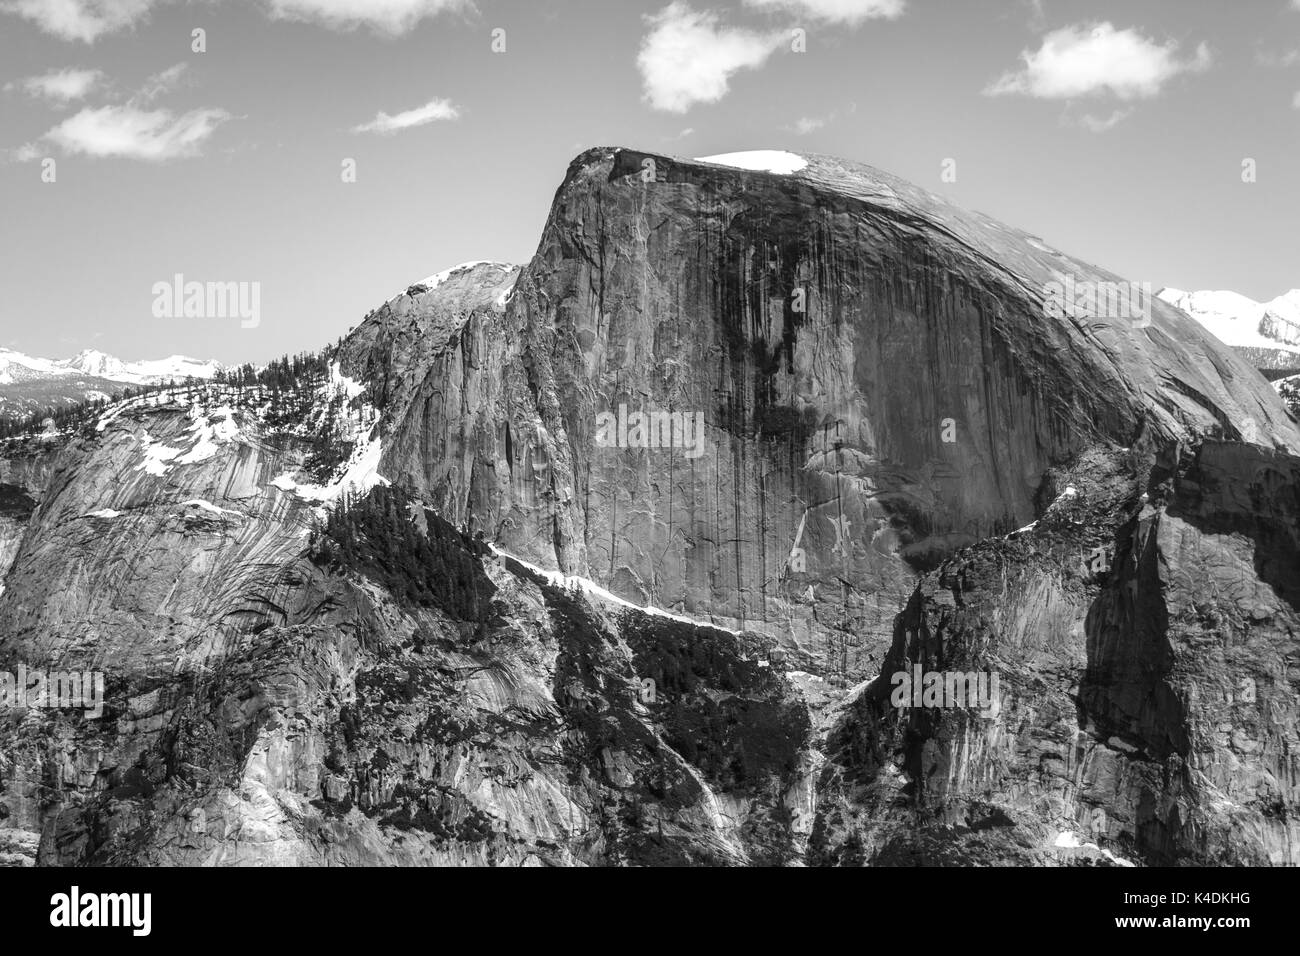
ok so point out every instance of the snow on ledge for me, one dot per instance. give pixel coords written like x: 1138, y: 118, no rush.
x: 205, y: 505
x: 759, y: 160
x: 588, y: 586
x: 1067, y: 840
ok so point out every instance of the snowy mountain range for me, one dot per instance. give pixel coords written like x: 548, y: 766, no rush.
x: 1266, y: 333
x: 28, y: 383
x: 16, y: 367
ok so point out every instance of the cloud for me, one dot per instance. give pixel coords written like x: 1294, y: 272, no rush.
x: 687, y: 58
x: 1085, y: 61
x: 389, y: 16
x: 21, y: 154
x: 1295, y: 102
x: 160, y: 83
x: 1098, y: 124
x: 850, y: 12
x: 84, y: 20
x: 61, y: 86
x: 430, y: 112
x: 1284, y: 59
x: 810, y: 124
x: 131, y: 133
x: 87, y: 20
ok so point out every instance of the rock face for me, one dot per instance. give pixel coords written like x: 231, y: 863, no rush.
x: 517, y: 625
x: 1148, y: 708
x: 875, y: 370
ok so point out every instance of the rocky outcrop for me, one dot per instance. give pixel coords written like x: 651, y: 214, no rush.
x: 1147, y: 710
x: 23, y: 478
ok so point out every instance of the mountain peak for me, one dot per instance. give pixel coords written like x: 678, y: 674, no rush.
x: 1270, y: 331
x: 28, y: 382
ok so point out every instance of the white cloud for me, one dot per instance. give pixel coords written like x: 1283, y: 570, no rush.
x: 1098, y: 124
x: 809, y: 124
x: 1083, y: 61
x: 430, y: 112
x: 22, y: 154
x: 62, y: 86
x: 88, y: 20
x: 688, y: 58
x: 84, y: 20
x: 131, y: 133
x: 851, y: 12
x: 160, y: 83
x: 390, y: 16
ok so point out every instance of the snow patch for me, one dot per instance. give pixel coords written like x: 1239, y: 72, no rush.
x: 587, y: 586
x: 360, y: 474
x: 156, y: 456
x: 1066, y: 840
x: 103, y: 513
x: 759, y: 160
x: 350, y: 386
x: 209, y: 432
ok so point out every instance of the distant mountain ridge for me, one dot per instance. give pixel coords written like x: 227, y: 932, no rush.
x: 29, y: 383
x: 1267, y: 334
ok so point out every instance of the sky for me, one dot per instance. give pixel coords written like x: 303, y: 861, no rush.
x: 1156, y: 138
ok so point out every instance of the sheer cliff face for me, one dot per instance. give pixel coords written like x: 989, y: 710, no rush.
x: 877, y: 451
x: 877, y: 374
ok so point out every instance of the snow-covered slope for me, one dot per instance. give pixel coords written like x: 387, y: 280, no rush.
x: 1270, y: 330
